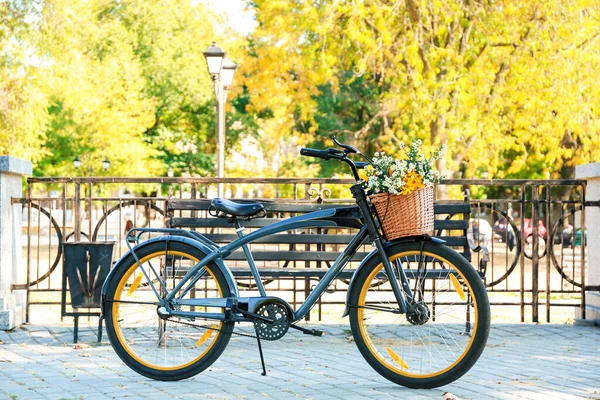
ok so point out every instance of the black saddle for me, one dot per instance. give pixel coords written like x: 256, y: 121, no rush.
x: 247, y: 210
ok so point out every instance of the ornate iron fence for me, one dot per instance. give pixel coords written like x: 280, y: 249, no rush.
x: 532, y: 233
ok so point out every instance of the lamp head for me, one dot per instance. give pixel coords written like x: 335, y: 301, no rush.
x: 227, y: 72
x: 214, y: 59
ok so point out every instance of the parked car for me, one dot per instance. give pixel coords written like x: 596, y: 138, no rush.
x: 568, y: 238
x: 501, y: 228
x: 482, y: 231
x: 578, y: 237
x: 528, y: 233
x: 564, y: 237
x: 503, y: 231
x: 528, y: 229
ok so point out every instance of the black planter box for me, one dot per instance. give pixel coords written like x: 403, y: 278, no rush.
x: 87, y: 265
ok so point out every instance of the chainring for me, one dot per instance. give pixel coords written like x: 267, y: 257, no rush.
x: 272, y: 330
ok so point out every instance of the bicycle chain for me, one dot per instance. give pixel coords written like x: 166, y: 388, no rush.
x: 216, y: 329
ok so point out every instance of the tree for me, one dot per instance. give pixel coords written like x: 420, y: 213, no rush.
x: 22, y: 103
x: 124, y: 80
x: 168, y: 39
x: 504, y: 86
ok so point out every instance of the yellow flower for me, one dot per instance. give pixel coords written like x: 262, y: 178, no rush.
x: 412, y: 182
x: 362, y: 174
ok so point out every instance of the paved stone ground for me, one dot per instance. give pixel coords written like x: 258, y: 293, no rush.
x: 520, y: 362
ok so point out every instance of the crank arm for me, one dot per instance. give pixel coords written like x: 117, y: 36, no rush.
x: 253, y: 315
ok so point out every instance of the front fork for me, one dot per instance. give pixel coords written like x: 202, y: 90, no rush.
x: 401, y: 293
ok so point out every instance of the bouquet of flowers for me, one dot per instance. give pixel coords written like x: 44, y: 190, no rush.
x: 402, y: 190
x: 402, y: 176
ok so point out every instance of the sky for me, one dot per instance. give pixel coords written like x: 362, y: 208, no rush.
x: 239, y: 18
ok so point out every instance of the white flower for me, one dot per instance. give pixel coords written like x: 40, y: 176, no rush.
x: 387, y: 174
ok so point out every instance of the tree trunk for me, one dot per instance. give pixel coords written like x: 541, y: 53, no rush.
x: 438, y: 138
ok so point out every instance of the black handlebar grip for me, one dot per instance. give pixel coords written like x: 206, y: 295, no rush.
x: 323, y: 154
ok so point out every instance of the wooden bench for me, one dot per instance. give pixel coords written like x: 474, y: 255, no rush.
x: 305, y: 254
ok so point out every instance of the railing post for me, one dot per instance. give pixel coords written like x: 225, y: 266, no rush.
x: 535, y: 259
x: 590, y: 227
x: 522, y: 258
x: 549, y: 247
x: 12, y: 270
x: 77, y: 212
x: 307, y: 196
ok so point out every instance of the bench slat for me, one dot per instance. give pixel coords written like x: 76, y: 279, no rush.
x: 452, y: 208
x: 450, y: 224
x: 454, y: 241
x: 285, y: 238
x: 260, y: 222
x: 203, y: 204
x: 267, y: 273
x: 188, y: 222
x: 293, y: 256
x: 289, y: 272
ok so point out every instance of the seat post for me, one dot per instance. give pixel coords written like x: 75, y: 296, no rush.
x: 239, y: 230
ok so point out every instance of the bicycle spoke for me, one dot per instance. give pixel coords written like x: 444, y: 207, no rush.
x: 164, y: 344
x: 427, y: 339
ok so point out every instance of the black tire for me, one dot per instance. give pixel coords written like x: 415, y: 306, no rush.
x: 129, y: 349
x: 393, y: 335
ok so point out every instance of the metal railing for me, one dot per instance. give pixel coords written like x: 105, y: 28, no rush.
x: 532, y: 233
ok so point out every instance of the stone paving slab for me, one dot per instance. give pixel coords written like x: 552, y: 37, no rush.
x: 521, y: 361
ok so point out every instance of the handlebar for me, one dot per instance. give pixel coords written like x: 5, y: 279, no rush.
x: 322, y: 154
x: 327, y: 154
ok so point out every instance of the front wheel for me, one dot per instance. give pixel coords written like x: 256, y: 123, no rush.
x: 446, y: 329
x: 171, y: 348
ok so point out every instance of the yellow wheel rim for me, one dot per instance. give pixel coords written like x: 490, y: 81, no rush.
x: 395, y: 363
x: 115, y: 313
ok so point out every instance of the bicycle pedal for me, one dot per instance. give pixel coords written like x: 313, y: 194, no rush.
x: 315, y: 332
x: 306, y: 331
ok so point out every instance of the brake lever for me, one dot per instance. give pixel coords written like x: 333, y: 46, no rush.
x: 348, y: 148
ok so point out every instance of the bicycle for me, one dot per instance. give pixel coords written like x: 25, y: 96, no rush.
x: 418, y: 311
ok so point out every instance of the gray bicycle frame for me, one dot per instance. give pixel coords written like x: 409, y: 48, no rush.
x: 317, y: 219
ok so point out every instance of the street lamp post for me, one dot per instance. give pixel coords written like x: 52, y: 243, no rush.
x: 221, y: 70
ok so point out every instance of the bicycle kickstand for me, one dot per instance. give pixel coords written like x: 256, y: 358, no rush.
x: 262, y: 359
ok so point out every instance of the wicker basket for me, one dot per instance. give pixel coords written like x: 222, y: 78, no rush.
x: 405, y: 215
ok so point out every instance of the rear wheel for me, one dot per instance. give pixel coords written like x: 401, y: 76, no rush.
x: 164, y: 349
x: 442, y: 336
